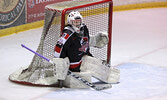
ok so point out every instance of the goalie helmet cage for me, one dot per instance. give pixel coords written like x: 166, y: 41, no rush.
x: 97, y: 15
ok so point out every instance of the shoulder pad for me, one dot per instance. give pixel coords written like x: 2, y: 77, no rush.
x: 68, y: 30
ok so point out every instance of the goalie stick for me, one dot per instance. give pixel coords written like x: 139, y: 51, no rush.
x: 98, y: 88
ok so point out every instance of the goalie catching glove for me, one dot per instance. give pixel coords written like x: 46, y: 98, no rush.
x: 99, y: 40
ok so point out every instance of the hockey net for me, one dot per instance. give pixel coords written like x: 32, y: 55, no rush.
x: 97, y: 15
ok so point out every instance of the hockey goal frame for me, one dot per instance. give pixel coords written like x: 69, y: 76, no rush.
x: 39, y: 64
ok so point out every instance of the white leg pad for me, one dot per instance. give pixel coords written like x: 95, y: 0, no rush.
x: 99, y: 70
x: 72, y: 82
x: 61, y: 67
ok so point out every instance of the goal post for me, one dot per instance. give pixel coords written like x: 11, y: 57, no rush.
x: 97, y: 15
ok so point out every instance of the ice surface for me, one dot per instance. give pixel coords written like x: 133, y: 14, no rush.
x: 139, y: 50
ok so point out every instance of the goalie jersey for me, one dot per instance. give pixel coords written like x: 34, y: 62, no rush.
x: 74, y: 46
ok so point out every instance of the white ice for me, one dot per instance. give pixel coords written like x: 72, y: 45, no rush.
x: 139, y: 50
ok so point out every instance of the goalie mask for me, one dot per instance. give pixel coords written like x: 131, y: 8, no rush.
x: 75, y: 19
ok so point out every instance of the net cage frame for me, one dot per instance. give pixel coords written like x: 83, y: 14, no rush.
x: 40, y: 64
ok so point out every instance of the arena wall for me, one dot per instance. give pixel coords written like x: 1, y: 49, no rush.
x: 29, y: 14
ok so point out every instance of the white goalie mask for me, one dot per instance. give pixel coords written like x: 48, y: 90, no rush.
x: 75, y: 19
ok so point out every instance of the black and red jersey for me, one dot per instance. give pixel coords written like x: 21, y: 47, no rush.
x: 73, y: 45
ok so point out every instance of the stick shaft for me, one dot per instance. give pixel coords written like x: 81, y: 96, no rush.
x: 35, y: 52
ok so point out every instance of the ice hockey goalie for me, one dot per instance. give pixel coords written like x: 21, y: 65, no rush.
x: 72, y: 53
